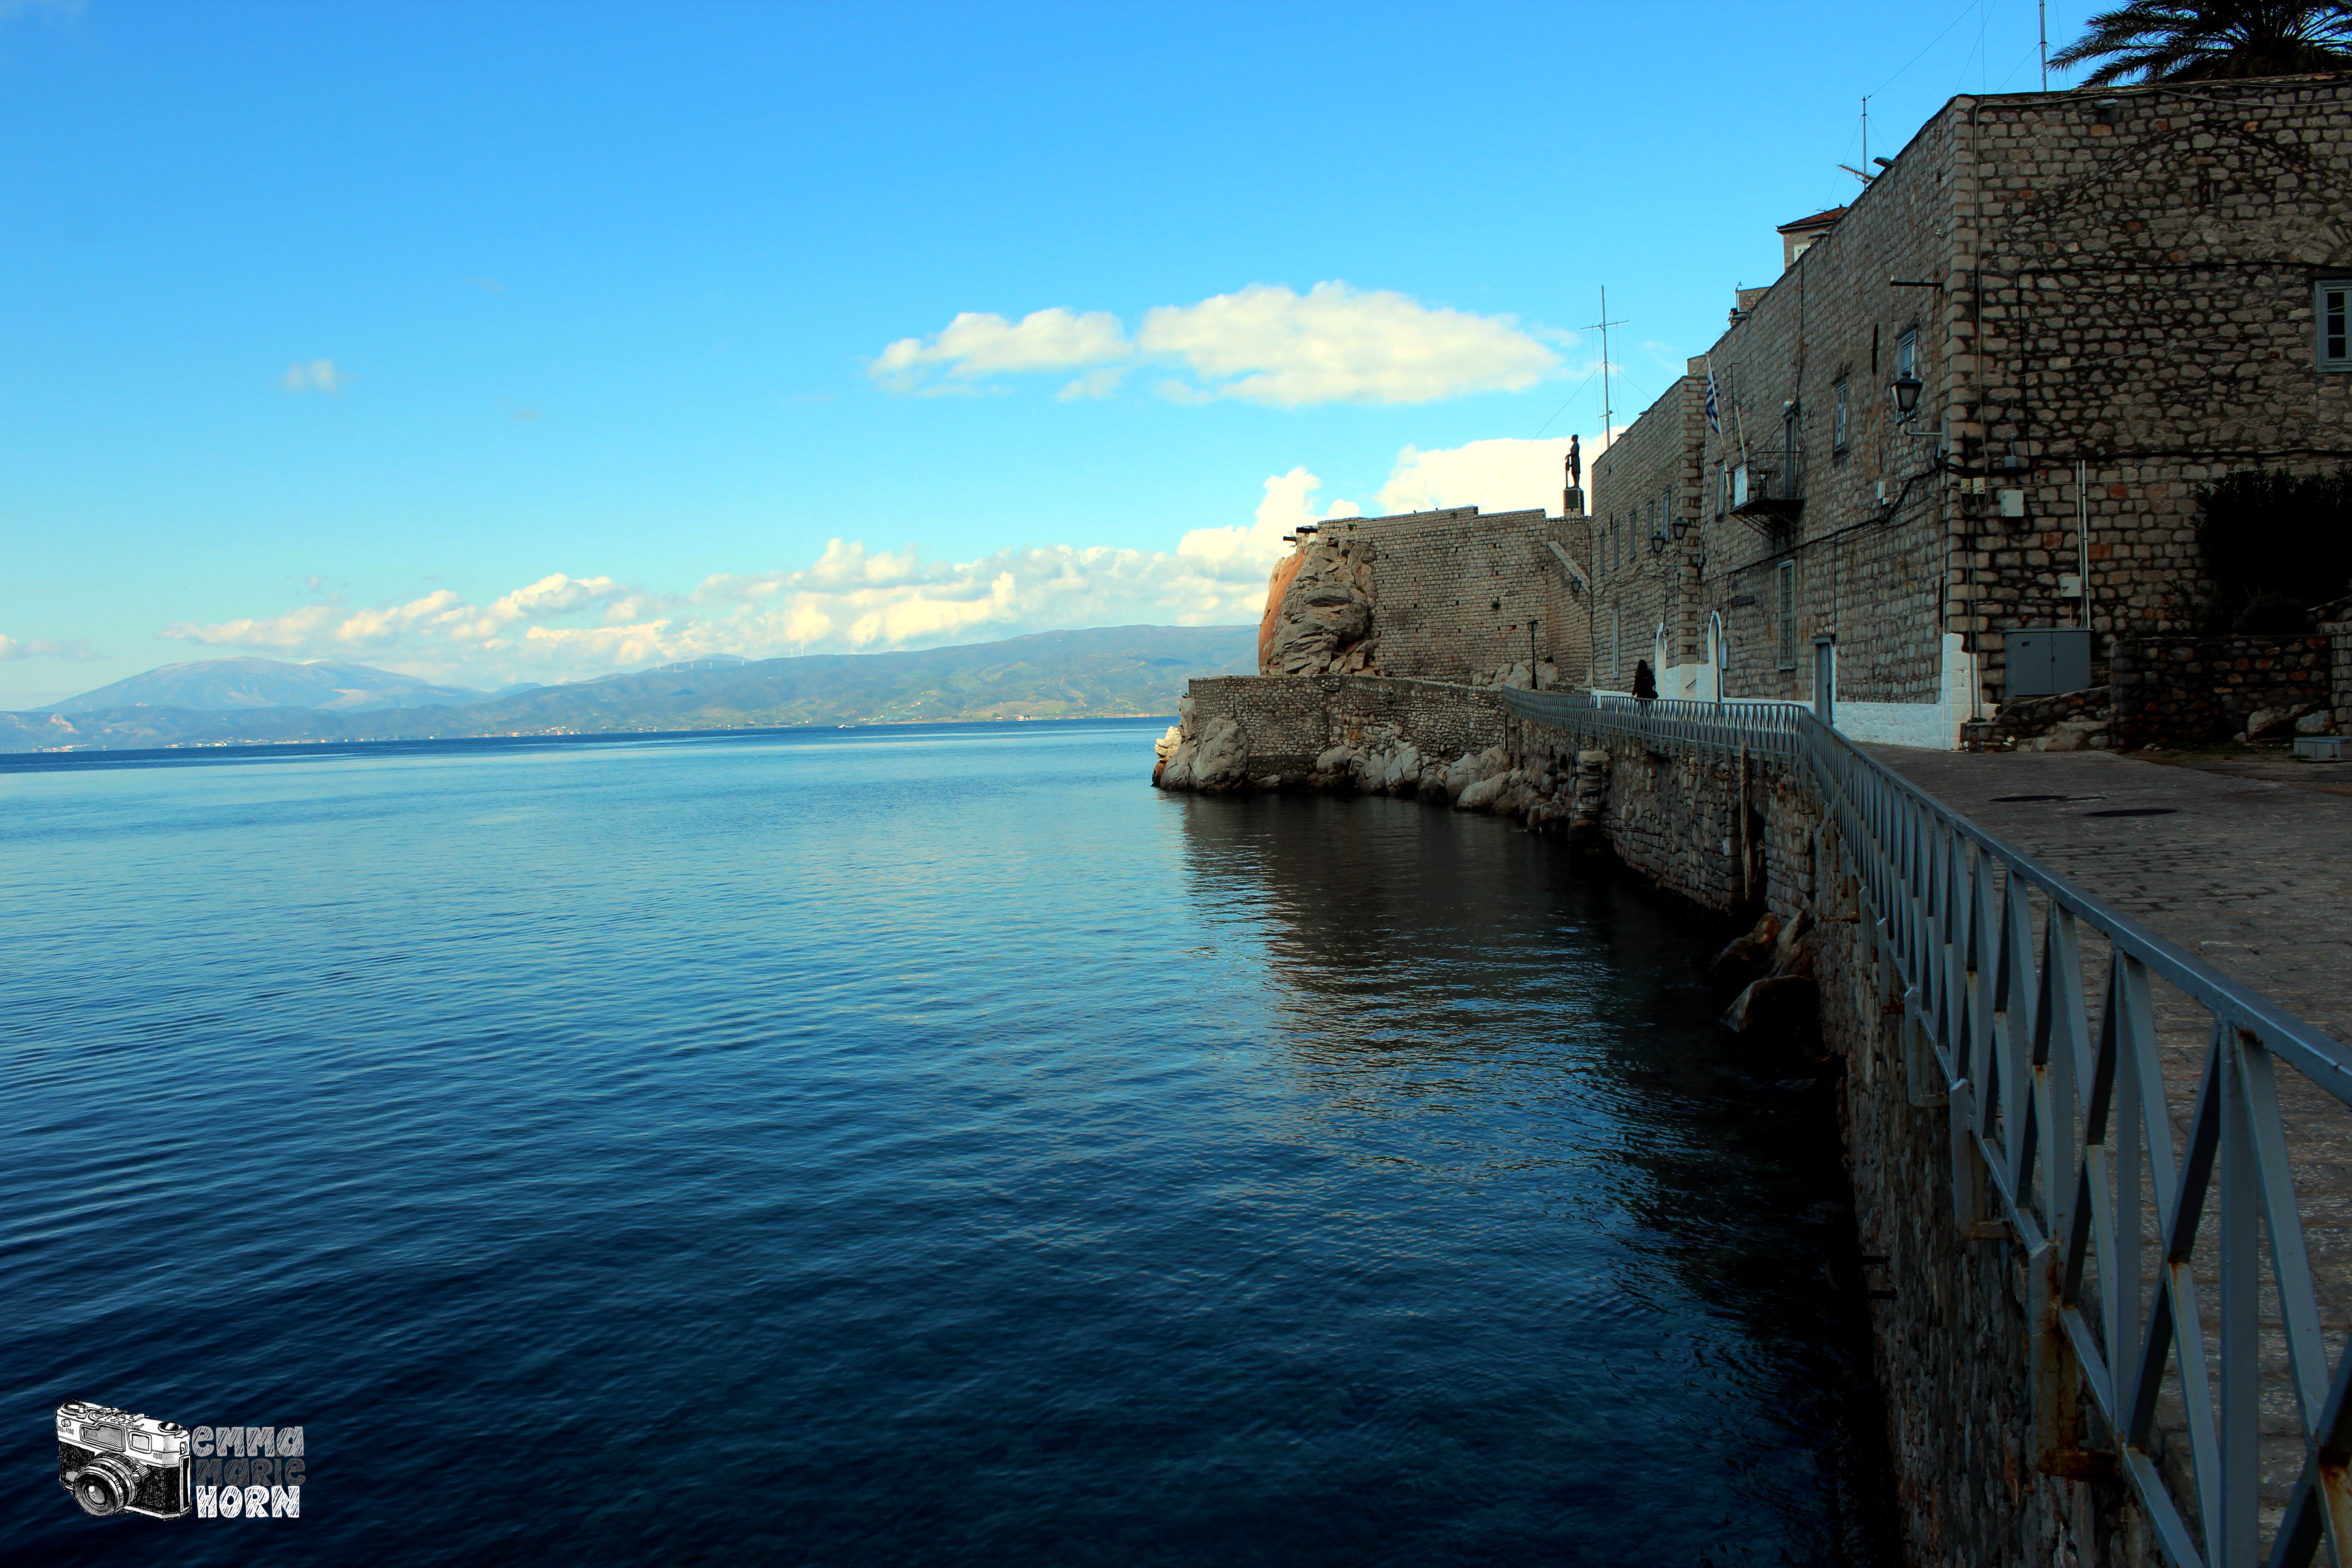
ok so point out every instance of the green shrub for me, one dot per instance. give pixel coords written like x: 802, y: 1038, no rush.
x: 2272, y: 615
x: 2274, y: 543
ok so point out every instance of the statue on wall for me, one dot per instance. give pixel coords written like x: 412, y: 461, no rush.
x: 1575, y: 462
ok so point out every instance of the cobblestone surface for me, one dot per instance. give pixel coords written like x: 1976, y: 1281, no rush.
x: 2253, y: 875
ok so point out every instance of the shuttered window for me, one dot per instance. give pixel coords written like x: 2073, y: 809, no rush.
x: 2333, y: 306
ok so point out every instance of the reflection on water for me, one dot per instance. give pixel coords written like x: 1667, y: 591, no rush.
x: 1463, y: 1003
x: 915, y: 1146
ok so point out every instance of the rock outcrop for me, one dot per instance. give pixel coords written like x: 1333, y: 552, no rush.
x: 1216, y: 759
x: 1320, y: 611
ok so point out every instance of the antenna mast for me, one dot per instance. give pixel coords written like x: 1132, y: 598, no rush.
x: 2044, y: 10
x: 1608, y: 424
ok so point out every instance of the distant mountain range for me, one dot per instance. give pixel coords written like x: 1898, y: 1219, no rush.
x: 1106, y: 672
x: 217, y: 683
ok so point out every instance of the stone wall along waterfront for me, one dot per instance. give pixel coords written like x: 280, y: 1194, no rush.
x: 2192, y: 690
x: 1347, y: 731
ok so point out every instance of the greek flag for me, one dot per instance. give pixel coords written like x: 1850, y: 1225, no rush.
x: 1714, y: 422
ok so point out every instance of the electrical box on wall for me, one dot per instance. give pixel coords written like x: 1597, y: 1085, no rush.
x: 2012, y: 503
x: 2045, y: 661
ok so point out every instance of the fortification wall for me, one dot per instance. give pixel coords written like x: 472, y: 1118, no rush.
x: 1286, y: 721
x: 1457, y: 595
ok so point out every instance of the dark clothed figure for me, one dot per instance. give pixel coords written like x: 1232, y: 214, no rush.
x: 1645, y: 685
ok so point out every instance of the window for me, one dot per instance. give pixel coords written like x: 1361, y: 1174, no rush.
x: 1787, y: 610
x: 2333, y: 306
x: 1907, y: 356
x: 1837, y: 419
x: 1616, y: 650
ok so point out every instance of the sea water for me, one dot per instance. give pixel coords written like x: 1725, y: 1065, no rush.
x: 903, y: 1145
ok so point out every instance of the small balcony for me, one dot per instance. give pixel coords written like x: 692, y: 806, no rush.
x: 1769, y: 498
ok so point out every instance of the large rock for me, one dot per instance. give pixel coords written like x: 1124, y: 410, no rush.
x: 1221, y: 760
x: 1778, y: 1009
x: 1320, y: 611
x: 2273, y: 723
x: 1746, y: 958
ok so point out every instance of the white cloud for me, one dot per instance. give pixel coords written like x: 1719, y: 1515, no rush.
x: 977, y: 344
x: 1289, y: 502
x: 1101, y: 382
x: 1499, y: 475
x: 1264, y: 344
x: 850, y: 598
x: 315, y: 375
x: 1337, y: 344
x: 43, y: 647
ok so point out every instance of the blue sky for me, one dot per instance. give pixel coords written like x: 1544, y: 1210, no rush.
x: 512, y: 342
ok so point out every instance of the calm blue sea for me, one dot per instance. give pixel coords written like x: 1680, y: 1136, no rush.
x: 919, y: 1146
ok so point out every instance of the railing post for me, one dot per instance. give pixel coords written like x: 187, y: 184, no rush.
x: 2055, y: 1379
x: 2237, y: 1538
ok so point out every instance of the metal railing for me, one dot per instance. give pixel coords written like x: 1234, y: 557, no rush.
x: 1763, y: 728
x: 2063, y: 1139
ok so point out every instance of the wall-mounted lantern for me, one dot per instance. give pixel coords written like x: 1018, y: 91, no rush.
x: 1657, y: 541
x: 1907, y: 389
x: 1682, y: 526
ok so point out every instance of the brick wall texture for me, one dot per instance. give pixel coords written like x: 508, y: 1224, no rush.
x: 2136, y: 295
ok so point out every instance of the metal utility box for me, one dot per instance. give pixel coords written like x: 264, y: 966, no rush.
x: 2045, y: 661
x: 2324, y: 748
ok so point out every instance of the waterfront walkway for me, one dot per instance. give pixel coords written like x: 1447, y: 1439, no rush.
x: 2252, y: 874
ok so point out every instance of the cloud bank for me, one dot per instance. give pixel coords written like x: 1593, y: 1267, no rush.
x: 1264, y: 344
x: 854, y: 598
x: 45, y: 647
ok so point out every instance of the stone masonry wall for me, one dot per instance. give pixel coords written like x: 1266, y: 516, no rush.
x: 1871, y: 576
x: 2193, y: 690
x: 2129, y: 288
x: 1951, y: 1329
x: 1640, y: 483
x: 1287, y: 720
x: 1457, y: 589
x: 2340, y: 634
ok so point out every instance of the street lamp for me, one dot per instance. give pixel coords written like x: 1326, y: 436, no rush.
x: 1682, y: 526
x: 1907, y: 389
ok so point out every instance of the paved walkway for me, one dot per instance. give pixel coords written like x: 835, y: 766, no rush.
x: 2251, y: 875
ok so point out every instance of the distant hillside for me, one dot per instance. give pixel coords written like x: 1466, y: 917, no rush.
x: 1107, y: 672
x: 211, y: 684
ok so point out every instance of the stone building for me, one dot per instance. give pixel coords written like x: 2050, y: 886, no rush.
x: 1455, y: 595
x: 2095, y: 303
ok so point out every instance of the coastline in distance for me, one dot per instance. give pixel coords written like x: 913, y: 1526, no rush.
x: 1100, y: 672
